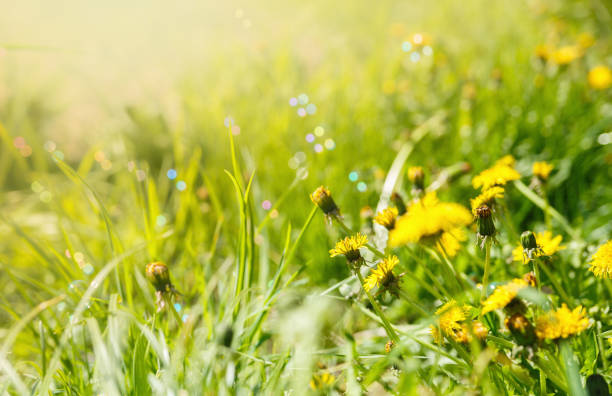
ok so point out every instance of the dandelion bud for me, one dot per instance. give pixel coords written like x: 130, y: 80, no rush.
x: 323, y: 199
x: 417, y: 177
x: 484, y: 219
x: 528, y: 240
x: 158, y: 274
x: 521, y: 329
x: 479, y: 330
x: 597, y: 385
x: 530, y: 245
x: 399, y: 203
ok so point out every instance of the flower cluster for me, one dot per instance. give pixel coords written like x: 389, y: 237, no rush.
x: 501, y: 173
x: 561, y: 323
x: 432, y: 222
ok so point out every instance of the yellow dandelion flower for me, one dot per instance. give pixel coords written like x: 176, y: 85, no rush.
x: 479, y: 330
x: 502, y: 295
x: 349, y: 247
x: 543, y: 51
x: 601, y: 262
x: 382, y: 275
x: 548, y: 244
x: 322, y: 381
x: 427, y: 220
x: 487, y: 197
x: 498, y: 175
x: 542, y: 169
x: 600, y: 77
x: 585, y: 40
x: 450, y: 317
x: 435, y: 334
x: 450, y: 241
x: 566, y: 54
x: 506, y: 160
x: 386, y: 218
x: 562, y: 323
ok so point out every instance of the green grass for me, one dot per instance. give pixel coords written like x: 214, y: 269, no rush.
x: 262, y: 307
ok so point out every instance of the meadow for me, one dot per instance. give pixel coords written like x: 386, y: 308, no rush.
x: 406, y: 198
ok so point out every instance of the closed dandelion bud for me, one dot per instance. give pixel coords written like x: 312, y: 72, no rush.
x: 158, y: 274
x: 399, y: 203
x: 417, y: 177
x: 323, y: 199
x: 530, y: 245
x: 528, y: 240
x: 597, y: 386
x: 521, y: 329
x: 484, y: 219
x: 479, y: 330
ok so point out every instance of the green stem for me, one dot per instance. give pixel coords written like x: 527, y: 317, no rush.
x: 388, y: 328
x: 487, y: 265
x: 412, y: 302
x: 556, y: 284
x: 539, y: 202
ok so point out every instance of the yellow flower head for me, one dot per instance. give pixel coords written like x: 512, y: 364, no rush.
x: 487, y: 197
x: 349, y: 247
x: 322, y: 381
x: 323, y: 199
x: 382, y: 275
x: 600, y: 77
x: 502, y: 295
x: 542, y: 169
x: 548, y: 244
x: 601, y: 262
x: 386, y: 218
x: 567, y: 54
x: 585, y: 40
x: 562, y: 323
x: 450, y: 316
x: 543, y: 51
x: 428, y: 220
x: 498, y: 175
x: 417, y: 176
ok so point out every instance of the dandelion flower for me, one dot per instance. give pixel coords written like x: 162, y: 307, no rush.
x: 503, y: 295
x: 566, y: 54
x: 487, y: 197
x: 562, y: 323
x: 547, y: 246
x: 349, y: 247
x: 382, y: 275
x: 498, y: 175
x: 386, y: 218
x: 543, y: 51
x: 322, y: 381
x: 428, y: 220
x: 450, y: 316
x: 542, y: 169
x: 600, y: 77
x: 601, y: 262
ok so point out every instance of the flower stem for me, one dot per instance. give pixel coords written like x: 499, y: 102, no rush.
x: 388, y: 328
x: 487, y: 265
